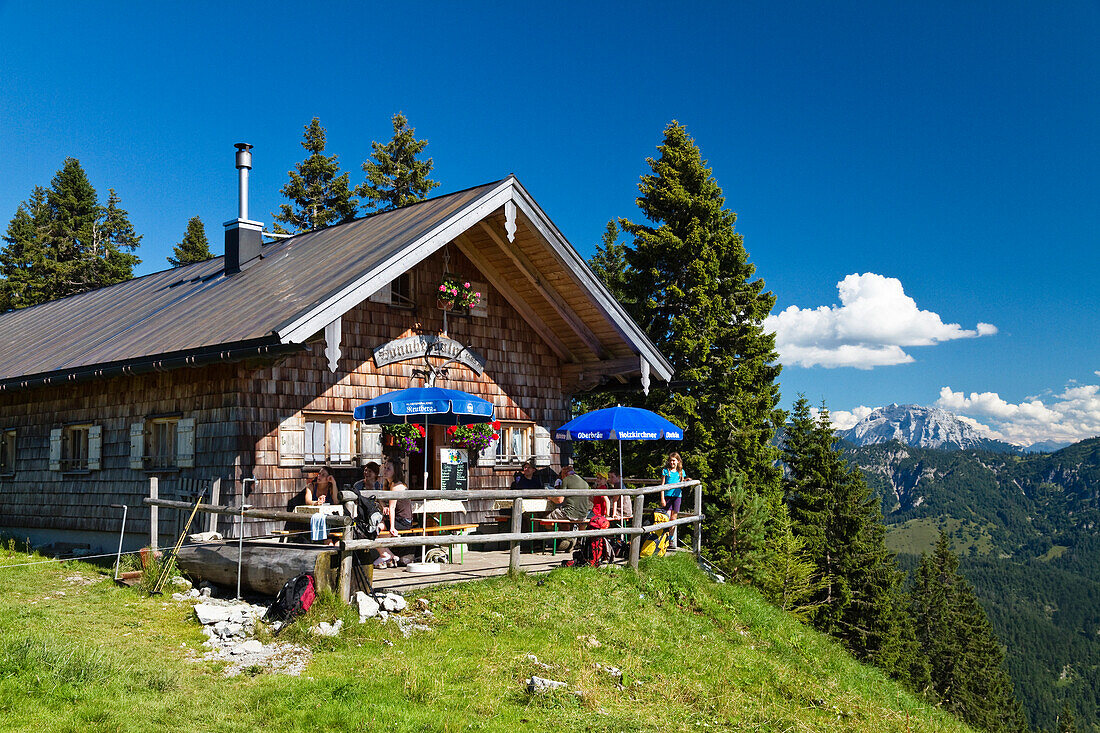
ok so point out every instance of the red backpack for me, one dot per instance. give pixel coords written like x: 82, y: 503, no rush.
x: 293, y: 600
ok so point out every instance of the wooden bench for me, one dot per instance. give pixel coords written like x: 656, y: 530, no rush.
x: 445, y: 529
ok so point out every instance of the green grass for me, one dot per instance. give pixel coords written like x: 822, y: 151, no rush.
x: 694, y: 656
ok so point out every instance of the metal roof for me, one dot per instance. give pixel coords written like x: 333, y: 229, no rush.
x: 282, y: 298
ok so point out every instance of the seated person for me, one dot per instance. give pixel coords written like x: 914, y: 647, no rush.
x: 399, y: 513
x: 622, y: 507
x: 574, y: 508
x: 601, y: 504
x: 526, y: 478
x: 320, y: 488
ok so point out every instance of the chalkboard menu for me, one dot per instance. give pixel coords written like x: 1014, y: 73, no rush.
x: 454, y: 467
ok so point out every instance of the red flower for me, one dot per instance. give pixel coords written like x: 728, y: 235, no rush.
x: 420, y: 429
x: 496, y: 424
x: 496, y: 437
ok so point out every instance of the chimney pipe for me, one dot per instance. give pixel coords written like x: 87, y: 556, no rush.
x: 244, y: 165
x: 243, y: 238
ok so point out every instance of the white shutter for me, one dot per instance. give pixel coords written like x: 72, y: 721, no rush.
x: 185, y: 443
x: 292, y: 442
x: 137, y: 445
x: 481, y: 310
x: 382, y: 296
x: 488, y: 457
x: 55, y: 449
x: 542, y: 446
x: 370, y: 443
x: 95, y: 447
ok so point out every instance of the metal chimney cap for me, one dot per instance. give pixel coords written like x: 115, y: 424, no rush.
x: 244, y: 158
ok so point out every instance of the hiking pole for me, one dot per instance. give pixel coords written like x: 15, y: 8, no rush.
x: 167, y: 569
x: 122, y: 532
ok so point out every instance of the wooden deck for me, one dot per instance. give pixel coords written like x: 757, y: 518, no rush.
x: 476, y: 566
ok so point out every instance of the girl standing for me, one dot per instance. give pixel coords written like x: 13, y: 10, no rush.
x: 673, y: 473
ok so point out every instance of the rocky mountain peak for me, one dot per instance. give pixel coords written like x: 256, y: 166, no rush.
x: 921, y: 427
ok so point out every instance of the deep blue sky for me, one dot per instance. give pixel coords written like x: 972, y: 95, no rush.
x: 952, y: 146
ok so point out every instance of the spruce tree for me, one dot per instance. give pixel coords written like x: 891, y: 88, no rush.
x: 686, y: 279
x: 395, y: 177
x: 832, y: 510
x: 194, y: 247
x: 319, y: 194
x: 739, y: 533
x: 72, y: 243
x: 964, y: 656
x: 23, y: 268
x: 113, y: 259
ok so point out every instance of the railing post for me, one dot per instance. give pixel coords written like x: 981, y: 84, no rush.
x: 517, y: 527
x: 636, y: 539
x: 344, y: 582
x: 154, y: 514
x: 697, y: 540
x: 215, y: 499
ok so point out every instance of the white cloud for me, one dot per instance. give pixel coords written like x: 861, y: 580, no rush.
x: 1070, y: 416
x: 869, y: 328
x: 845, y: 419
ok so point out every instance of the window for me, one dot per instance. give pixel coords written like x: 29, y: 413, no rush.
x: 74, y: 448
x: 516, y: 443
x: 7, y: 452
x: 160, y: 442
x: 403, y: 291
x: 328, y: 439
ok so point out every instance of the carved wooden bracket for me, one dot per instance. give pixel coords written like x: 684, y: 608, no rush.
x: 332, y: 343
x: 510, y: 220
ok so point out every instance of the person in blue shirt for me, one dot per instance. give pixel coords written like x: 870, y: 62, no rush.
x: 673, y: 473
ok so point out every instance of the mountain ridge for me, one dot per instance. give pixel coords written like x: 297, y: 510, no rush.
x: 922, y: 427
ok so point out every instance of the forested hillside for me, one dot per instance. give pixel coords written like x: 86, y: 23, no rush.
x: 1027, y: 529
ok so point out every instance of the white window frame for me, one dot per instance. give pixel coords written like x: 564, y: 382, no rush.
x: 7, y: 451
x: 340, y: 455
x: 506, y: 453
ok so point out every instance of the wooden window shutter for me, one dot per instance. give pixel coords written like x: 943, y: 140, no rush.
x: 185, y: 442
x: 137, y: 445
x: 95, y: 447
x: 382, y: 296
x: 370, y: 444
x: 292, y: 435
x: 481, y: 310
x: 55, y: 449
x: 542, y: 446
x: 488, y: 457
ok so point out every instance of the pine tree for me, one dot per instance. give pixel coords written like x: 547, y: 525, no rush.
x: 194, y: 247
x: 739, y: 533
x: 62, y: 242
x: 838, y: 517
x: 686, y: 279
x: 112, y: 258
x: 319, y: 195
x: 395, y: 177
x: 72, y: 243
x: 1066, y: 722
x: 23, y: 274
x: 965, y: 658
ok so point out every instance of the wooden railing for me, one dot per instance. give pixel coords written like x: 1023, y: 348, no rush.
x: 514, y: 537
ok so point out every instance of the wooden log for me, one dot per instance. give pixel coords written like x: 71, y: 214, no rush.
x: 254, y: 513
x: 265, y: 567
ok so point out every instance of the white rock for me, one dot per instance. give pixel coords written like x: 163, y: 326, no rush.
x: 251, y: 646
x: 181, y: 582
x: 368, y: 607
x: 208, y: 613
x: 540, y: 685
x: 326, y: 629
x: 423, y: 602
x: 389, y: 603
x: 399, y: 603
x: 206, y: 592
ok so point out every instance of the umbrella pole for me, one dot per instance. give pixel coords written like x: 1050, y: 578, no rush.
x: 424, y: 505
x: 622, y: 482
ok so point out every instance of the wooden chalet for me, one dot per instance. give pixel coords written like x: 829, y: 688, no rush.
x: 247, y: 367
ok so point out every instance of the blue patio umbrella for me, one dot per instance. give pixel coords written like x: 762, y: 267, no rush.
x: 427, y: 405
x: 619, y: 423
